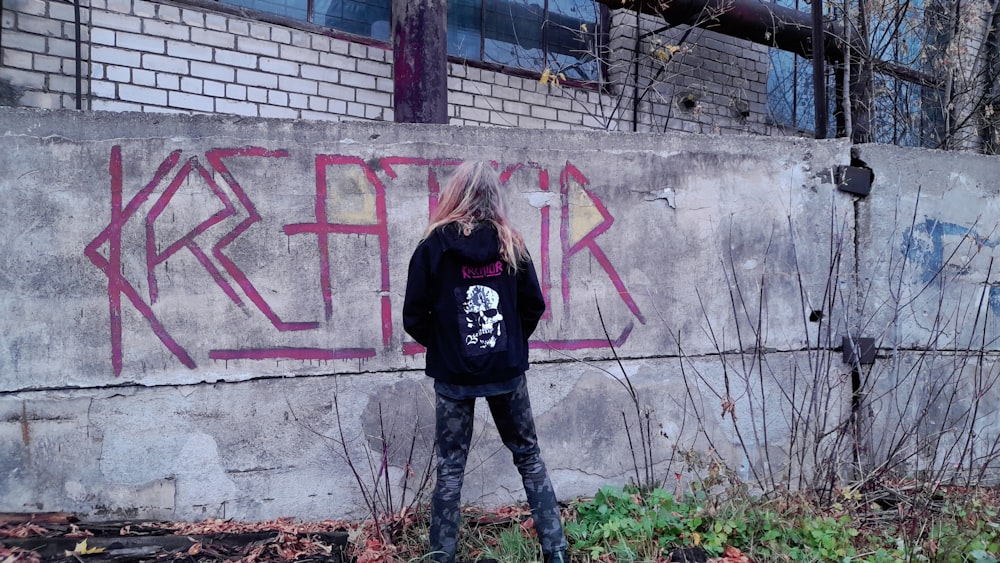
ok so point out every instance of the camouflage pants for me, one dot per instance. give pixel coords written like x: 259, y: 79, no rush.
x: 512, y: 415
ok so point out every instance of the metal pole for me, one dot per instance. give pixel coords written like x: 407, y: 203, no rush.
x: 819, y: 69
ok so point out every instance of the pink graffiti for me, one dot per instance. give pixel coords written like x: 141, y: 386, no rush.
x: 105, y: 250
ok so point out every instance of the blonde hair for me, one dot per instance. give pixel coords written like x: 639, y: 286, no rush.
x: 472, y: 195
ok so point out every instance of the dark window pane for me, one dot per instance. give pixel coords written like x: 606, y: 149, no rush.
x: 370, y: 18
x: 571, y: 38
x: 295, y: 9
x: 465, y: 28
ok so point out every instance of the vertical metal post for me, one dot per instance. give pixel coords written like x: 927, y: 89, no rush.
x: 420, y: 61
x: 819, y: 70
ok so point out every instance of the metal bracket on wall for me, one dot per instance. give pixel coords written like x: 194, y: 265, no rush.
x: 859, y: 350
x: 854, y: 179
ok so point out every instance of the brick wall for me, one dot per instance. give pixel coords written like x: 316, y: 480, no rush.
x: 174, y: 57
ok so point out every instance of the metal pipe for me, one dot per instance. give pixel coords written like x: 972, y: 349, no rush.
x: 819, y: 70
x: 79, y: 54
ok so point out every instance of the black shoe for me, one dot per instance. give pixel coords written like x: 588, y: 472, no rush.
x: 556, y: 557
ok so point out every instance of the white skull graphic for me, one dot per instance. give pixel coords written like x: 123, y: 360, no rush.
x: 482, y: 314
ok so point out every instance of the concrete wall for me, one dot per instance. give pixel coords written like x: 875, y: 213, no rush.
x: 197, y: 310
x: 176, y: 57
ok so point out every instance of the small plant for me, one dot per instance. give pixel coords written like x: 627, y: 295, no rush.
x: 630, y: 524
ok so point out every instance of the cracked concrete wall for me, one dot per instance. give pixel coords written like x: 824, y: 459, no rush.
x: 198, y: 312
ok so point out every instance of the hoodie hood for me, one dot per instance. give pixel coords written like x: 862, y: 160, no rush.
x: 481, y: 246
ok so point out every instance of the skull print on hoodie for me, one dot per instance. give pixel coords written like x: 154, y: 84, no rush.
x: 469, y: 309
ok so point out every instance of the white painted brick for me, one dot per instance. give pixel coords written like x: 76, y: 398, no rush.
x: 355, y: 109
x: 277, y: 98
x: 213, y: 38
x: 473, y: 87
x: 461, y: 98
x: 38, y: 25
x: 193, y: 18
x: 506, y: 93
x: 556, y: 101
x: 298, y: 101
x: 99, y: 36
x: 166, y: 64
x: 357, y: 80
x: 217, y: 22
x: 454, y: 84
x: 333, y: 60
x: 336, y: 91
x: 168, y: 81
x: 191, y: 85
x: 213, y: 71
x: 118, y: 73
x: 136, y: 42
x: 19, y: 59
x: 60, y: 48
x: 236, y: 92
x: 142, y: 94
x: 43, y: 100
x: 375, y: 69
x: 25, y: 42
x: 260, y: 31
x: 190, y: 101
x: 278, y: 66
x: 168, y: 13
x: 384, y: 85
x: 320, y: 73
x: 359, y: 51
x: 239, y: 27
x: 516, y: 107
x: 301, y: 39
x: 119, y: 22
x: 272, y: 111
x: 257, y: 95
x: 503, y: 119
x: 319, y: 116
x: 64, y: 84
x: 338, y: 107
x: 236, y: 107
x: 114, y: 105
x: 320, y: 43
x: 121, y: 6
x: 557, y: 125
x: 317, y: 104
x: 251, y: 45
x: 33, y: 7
x: 369, y: 97
x: 114, y: 55
x: 543, y: 112
x: 297, y: 85
x: 373, y: 112
x: 484, y: 102
x: 233, y: 58
x: 157, y: 109
x: 290, y: 52
x: 144, y: 9
x: 254, y: 78
x: 281, y: 35
x: 530, y: 122
x: 340, y: 46
x: 188, y: 51
x: 474, y: 114
x: 389, y: 114
x: 169, y: 30
x: 532, y: 98
x: 102, y: 89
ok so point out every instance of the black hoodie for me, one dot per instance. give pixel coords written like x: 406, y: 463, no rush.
x: 468, y: 309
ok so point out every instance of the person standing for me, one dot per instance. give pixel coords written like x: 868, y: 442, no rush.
x: 473, y: 300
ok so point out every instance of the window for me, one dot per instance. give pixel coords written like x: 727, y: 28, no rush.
x: 528, y: 34
x: 905, y: 38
